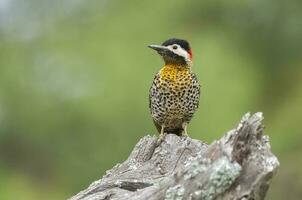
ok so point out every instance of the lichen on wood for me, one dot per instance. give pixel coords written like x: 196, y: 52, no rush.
x: 237, y: 166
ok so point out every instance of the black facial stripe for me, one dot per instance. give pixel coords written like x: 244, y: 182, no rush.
x: 172, y: 58
x: 183, y: 43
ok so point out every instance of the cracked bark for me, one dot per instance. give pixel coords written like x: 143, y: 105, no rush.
x: 237, y: 166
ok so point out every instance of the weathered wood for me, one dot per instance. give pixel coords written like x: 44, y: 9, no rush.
x: 238, y: 166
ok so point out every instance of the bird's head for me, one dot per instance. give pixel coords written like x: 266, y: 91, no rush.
x: 175, y: 52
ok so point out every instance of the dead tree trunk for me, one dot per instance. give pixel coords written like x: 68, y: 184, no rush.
x: 238, y: 166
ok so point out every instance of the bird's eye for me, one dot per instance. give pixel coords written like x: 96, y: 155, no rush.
x: 175, y: 47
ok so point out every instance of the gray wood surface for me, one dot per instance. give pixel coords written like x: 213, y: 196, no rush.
x: 237, y: 166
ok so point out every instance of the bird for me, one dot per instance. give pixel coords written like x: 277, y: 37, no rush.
x: 175, y: 91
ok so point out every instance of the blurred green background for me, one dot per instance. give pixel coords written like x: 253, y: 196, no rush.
x: 75, y: 77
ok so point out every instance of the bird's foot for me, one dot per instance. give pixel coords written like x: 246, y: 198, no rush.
x: 161, y: 138
x: 184, y: 132
x: 185, y: 135
x: 162, y: 135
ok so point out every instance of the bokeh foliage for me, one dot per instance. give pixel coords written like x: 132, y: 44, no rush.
x: 75, y: 75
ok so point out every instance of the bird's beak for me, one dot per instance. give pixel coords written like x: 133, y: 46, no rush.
x: 159, y: 48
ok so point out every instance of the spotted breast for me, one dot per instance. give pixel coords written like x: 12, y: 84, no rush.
x: 174, y: 98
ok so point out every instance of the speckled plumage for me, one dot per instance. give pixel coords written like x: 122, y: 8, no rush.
x: 174, y: 98
x: 175, y: 91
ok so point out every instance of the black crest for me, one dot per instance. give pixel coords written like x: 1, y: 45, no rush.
x: 183, y: 43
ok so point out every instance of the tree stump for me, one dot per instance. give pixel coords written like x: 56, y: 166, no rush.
x: 237, y: 166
